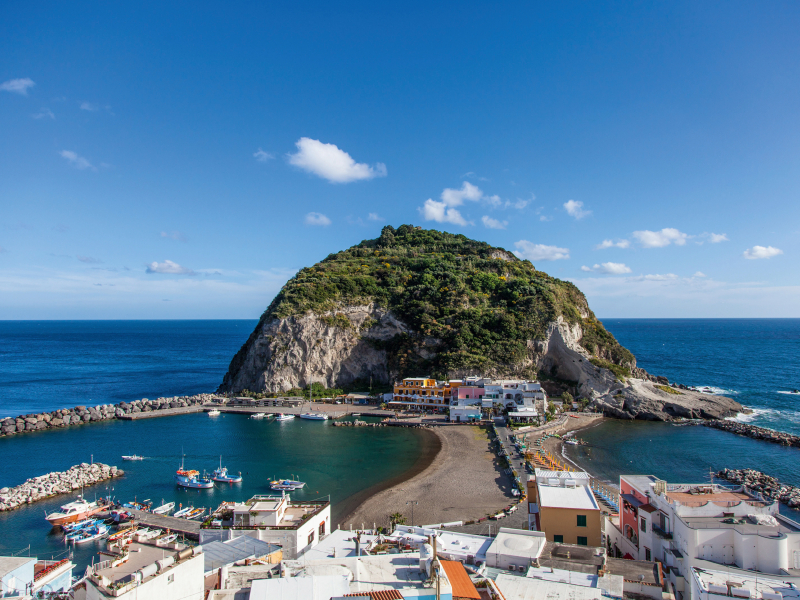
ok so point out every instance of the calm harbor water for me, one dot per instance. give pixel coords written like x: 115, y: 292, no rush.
x: 334, y: 461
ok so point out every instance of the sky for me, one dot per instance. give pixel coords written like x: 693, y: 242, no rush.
x: 183, y: 160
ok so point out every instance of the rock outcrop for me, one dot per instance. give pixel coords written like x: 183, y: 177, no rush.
x: 763, y: 484
x: 64, y: 482
x: 424, y: 303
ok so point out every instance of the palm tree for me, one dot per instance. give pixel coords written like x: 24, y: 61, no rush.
x: 397, y: 519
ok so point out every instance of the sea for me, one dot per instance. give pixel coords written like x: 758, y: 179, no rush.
x: 46, y: 365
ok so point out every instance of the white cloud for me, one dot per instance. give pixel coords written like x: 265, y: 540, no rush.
x: 757, y: 252
x: 175, y: 235
x: 490, y: 223
x: 18, y: 86
x: 612, y: 244
x: 529, y: 250
x: 89, y: 106
x: 659, y: 239
x: 494, y: 201
x: 655, y: 277
x: 45, y: 112
x: 520, y: 203
x: 315, y: 218
x: 545, y: 218
x: 575, y: 209
x: 76, y: 161
x: 262, y: 156
x: 441, y: 213
x: 168, y: 268
x: 586, y: 269
x: 89, y: 260
x: 609, y: 268
x: 699, y: 274
x: 716, y: 238
x: 331, y: 163
x: 375, y: 217
x: 468, y: 191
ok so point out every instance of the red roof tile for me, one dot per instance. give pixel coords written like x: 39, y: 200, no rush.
x: 459, y: 580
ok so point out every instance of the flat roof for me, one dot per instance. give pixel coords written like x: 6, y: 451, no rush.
x: 518, y: 542
x: 757, y: 583
x: 579, y: 497
x: 743, y: 524
x: 340, y: 541
x: 449, y: 542
x: 319, y: 587
x: 12, y: 563
x: 218, y: 554
x: 139, y: 555
x: 524, y: 588
x: 548, y: 474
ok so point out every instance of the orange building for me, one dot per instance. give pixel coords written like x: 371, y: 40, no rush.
x: 423, y: 393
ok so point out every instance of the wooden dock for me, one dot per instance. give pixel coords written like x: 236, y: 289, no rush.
x: 190, y: 529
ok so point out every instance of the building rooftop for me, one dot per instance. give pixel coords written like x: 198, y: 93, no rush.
x: 319, y: 587
x: 105, y: 575
x: 338, y: 544
x: 525, y: 588
x: 459, y: 580
x: 764, y: 525
x: 579, y: 497
x: 741, y: 585
x: 518, y: 542
x: 569, y: 557
x: 219, y: 554
x: 12, y: 563
x: 449, y: 544
x: 545, y: 474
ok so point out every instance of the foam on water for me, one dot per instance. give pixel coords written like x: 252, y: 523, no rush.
x: 715, y: 391
x: 757, y: 414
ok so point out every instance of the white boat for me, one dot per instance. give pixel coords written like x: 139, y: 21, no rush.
x: 213, y: 413
x: 287, y: 485
x: 283, y: 417
x: 221, y: 475
x: 90, y: 535
x: 165, y: 508
x: 257, y: 416
x: 192, y: 479
x: 184, y: 511
x: 315, y: 416
x: 167, y: 539
x: 78, y: 510
x: 132, y: 457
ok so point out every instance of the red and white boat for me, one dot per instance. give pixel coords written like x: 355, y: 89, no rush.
x: 75, y: 511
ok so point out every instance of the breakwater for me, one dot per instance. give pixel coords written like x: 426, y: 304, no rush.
x: 760, y: 482
x: 757, y: 433
x: 56, y: 483
x: 357, y: 423
x: 81, y: 415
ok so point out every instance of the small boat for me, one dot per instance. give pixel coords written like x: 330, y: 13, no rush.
x: 147, y: 534
x: 221, y: 475
x: 195, y: 514
x: 257, y: 416
x: 167, y: 539
x: 286, y: 484
x: 192, y: 479
x: 78, y: 510
x: 315, y: 416
x: 795, y: 391
x: 356, y: 414
x: 213, y: 412
x: 89, y: 535
x: 122, y: 534
x: 165, y: 508
x: 183, y: 512
x: 121, y: 515
x: 283, y: 417
x: 132, y: 457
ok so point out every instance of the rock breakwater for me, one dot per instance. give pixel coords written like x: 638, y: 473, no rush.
x: 766, y: 485
x: 357, y: 423
x: 80, y: 415
x: 55, y: 483
x: 757, y: 433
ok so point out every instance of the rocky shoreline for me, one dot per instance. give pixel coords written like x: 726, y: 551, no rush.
x: 104, y: 412
x: 756, y: 433
x: 766, y: 485
x: 52, y: 484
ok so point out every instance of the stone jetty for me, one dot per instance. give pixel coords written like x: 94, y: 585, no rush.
x: 757, y: 433
x: 65, y: 482
x: 768, y: 486
x: 357, y: 423
x: 80, y: 415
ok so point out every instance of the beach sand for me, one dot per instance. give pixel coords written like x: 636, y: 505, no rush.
x: 464, y: 481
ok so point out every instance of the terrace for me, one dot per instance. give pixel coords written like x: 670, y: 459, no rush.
x: 264, y: 512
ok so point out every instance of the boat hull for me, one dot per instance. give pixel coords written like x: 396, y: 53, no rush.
x: 71, y: 518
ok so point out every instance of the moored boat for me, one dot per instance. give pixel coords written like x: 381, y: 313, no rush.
x: 78, y: 510
x: 85, y: 536
x: 192, y: 479
x: 257, y: 416
x: 213, y: 413
x: 287, y: 484
x: 132, y: 457
x: 183, y: 511
x: 314, y: 416
x: 165, y: 508
x: 221, y: 475
x: 283, y: 417
x: 196, y: 513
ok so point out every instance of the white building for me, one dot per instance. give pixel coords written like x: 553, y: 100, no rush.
x: 515, y: 549
x: 295, y: 526
x: 149, y: 572
x: 21, y: 575
x: 702, y: 525
x: 450, y: 545
x: 712, y: 585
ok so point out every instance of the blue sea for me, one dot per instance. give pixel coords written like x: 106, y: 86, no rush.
x: 45, y: 365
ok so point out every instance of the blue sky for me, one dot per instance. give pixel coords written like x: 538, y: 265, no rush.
x: 183, y: 161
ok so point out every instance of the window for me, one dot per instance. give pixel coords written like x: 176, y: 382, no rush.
x: 321, y: 529
x: 643, y: 525
x: 647, y: 554
x: 581, y: 520
x: 311, y: 537
x: 558, y: 539
x: 582, y: 541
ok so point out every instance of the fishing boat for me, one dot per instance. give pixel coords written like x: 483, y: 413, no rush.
x: 122, y: 534
x: 283, y: 417
x: 257, y: 416
x: 183, y: 512
x: 221, y: 475
x: 121, y: 515
x: 213, y: 413
x: 143, y: 505
x: 196, y: 513
x: 89, y: 535
x: 286, y: 484
x: 77, y: 525
x: 192, y: 479
x: 132, y: 457
x: 78, y: 510
x: 165, y: 508
x: 315, y: 416
x: 167, y: 539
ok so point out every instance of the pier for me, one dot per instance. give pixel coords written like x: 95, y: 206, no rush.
x: 190, y: 529
x: 166, y: 412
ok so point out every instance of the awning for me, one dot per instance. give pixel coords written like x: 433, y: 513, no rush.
x: 632, y: 500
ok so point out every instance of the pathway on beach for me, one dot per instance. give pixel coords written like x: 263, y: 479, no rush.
x: 464, y: 482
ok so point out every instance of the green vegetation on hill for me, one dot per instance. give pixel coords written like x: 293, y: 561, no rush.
x: 474, y: 305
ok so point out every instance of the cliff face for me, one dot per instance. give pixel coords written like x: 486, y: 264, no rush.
x: 417, y: 302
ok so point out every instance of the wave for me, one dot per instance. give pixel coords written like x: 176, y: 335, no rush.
x: 757, y: 412
x: 713, y: 390
x: 787, y: 392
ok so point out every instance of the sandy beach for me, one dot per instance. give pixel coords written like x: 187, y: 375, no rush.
x: 464, y: 481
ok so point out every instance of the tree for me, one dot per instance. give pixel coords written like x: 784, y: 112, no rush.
x: 397, y: 519
x: 567, y: 398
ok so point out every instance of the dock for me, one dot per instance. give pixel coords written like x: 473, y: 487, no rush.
x: 190, y: 529
x: 167, y: 412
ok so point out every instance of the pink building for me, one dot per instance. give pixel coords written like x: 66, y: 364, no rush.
x: 468, y: 393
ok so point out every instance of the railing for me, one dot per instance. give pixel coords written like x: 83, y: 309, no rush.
x: 661, y: 533
x: 50, y: 568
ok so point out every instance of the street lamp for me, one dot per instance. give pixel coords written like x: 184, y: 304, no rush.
x: 412, y: 503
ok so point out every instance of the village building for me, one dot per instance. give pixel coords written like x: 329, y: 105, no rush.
x: 22, y: 576
x: 563, y: 506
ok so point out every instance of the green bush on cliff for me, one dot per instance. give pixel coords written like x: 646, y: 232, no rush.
x: 477, y: 306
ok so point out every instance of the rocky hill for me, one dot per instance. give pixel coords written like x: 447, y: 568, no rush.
x: 422, y: 302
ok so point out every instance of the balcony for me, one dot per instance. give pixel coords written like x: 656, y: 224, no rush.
x: 661, y: 533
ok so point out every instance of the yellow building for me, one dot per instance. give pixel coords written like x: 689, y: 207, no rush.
x: 562, y: 505
x: 423, y: 393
